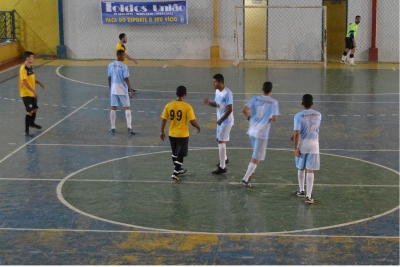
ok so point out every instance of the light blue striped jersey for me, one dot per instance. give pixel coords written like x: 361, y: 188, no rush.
x: 262, y: 109
x: 118, y: 71
x: 308, y: 122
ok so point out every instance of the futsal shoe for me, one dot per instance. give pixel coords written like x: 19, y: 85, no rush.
x: 300, y: 193
x: 246, y: 184
x: 134, y: 90
x: 310, y: 200
x: 27, y: 134
x: 219, y: 171
x: 352, y: 64
x: 180, y: 172
x: 226, y: 162
x: 175, y: 178
x: 131, y: 131
x: 112, y: 130
x: 34, y: 125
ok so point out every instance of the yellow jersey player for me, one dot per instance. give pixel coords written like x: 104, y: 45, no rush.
x: 179, y: 113
x: 28, y: 92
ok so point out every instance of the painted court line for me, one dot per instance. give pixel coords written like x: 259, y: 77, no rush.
x: 51, y: 127
x: 66, y: 203
x: 167, y: 181
x: 189, y: 233
x: 207, y: 92
x: 29, y: 179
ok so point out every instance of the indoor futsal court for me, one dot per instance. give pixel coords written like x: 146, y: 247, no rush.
x: 77, y: 194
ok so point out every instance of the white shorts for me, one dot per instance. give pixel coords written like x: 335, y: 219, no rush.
x: 309, y: 161
x: 259, y: 147
x: 120, y: 99
x: 223, y: 132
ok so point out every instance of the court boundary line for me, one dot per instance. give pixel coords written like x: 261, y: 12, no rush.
x: 195, y: 92
x: 160, y: 232
x: 194, y: 147
x: 42, y: 133
x: 66, y: 203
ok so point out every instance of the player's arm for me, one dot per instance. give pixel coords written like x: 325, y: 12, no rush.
x: 209, y: 103
x: 194, y: 124
x: 30, y: 88
x: 246, y: 112
x: 162, y: 134
x: 128, y: 83
x: 109, y: 82
x: 131, y: 58
x: 41, y: 84
x: 226, y: 114
x: 296, y: 139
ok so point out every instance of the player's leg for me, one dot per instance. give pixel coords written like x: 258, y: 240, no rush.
x: 33, y: 118
x: 259, y: 151
x: 312, y: 164
x: 301, y: 165
x: 353, y: 50
x: 28, y: 103
x: 223, y: 133
x: 113, y: 111
x: 124, y: 99
x: 346, y: 51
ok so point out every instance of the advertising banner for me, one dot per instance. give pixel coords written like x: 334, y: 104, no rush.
x: 172, y: 12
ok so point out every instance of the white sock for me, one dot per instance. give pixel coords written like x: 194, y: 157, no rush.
x: 113, y: 115
x: 352, y: 60
x: 344, y: 58
x: 301, y: 176
x: 250, y: 169
x: 310, y: 183
x: 222, y: 155
x: 128, y: 116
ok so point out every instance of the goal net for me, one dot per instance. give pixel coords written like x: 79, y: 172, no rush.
x: 280, y: 34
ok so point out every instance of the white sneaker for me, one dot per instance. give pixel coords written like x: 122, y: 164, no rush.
x: 353, y: 64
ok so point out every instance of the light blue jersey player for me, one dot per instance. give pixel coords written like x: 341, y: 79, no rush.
x: 119, y: 84
x: 264, y: 110
x: 306, y: 146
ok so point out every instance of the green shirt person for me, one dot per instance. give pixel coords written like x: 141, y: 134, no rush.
x: 351, y: 41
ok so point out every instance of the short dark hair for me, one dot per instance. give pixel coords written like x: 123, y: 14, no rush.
x: 358, y: 16
x: 28, y: 54
x: 120, y: 53
x: 121, y: 36
x: 307, y: 101
x: 219, y: 78
x: 267, y: 87
x: 180, y: 91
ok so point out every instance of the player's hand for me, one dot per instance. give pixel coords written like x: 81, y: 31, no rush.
x: 198, y: 129
x: 162, y: 136
x: 134, y: 60
x: 41, y: 85
x: 219, y: 122
x: 130, y: 95
x: 297, y: 152
x: 35, y: 95
x: 292, y: 138
x: 206, y: 101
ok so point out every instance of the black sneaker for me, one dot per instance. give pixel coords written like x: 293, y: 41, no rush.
x: 246, y: 184
x: 131, y: 131
x: 310, y: 200
x: 133, y: 90
x: 226, y: 162
x: 112, y: 130
x: 34, y: 125
x: 175, y: 178
x: 300, y: 193
x: 219, y: 171
x: 180, y: 172
x: 28, y: 135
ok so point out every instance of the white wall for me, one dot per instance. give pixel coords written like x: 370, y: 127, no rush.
x: 87, y: 38
x: 387, y: 31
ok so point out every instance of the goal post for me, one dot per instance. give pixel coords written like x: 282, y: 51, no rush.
x: 280, y: 34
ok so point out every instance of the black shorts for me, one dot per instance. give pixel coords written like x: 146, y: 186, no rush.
x: 179, y: 146
x: 30, y: 103
x: 349, y: 43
